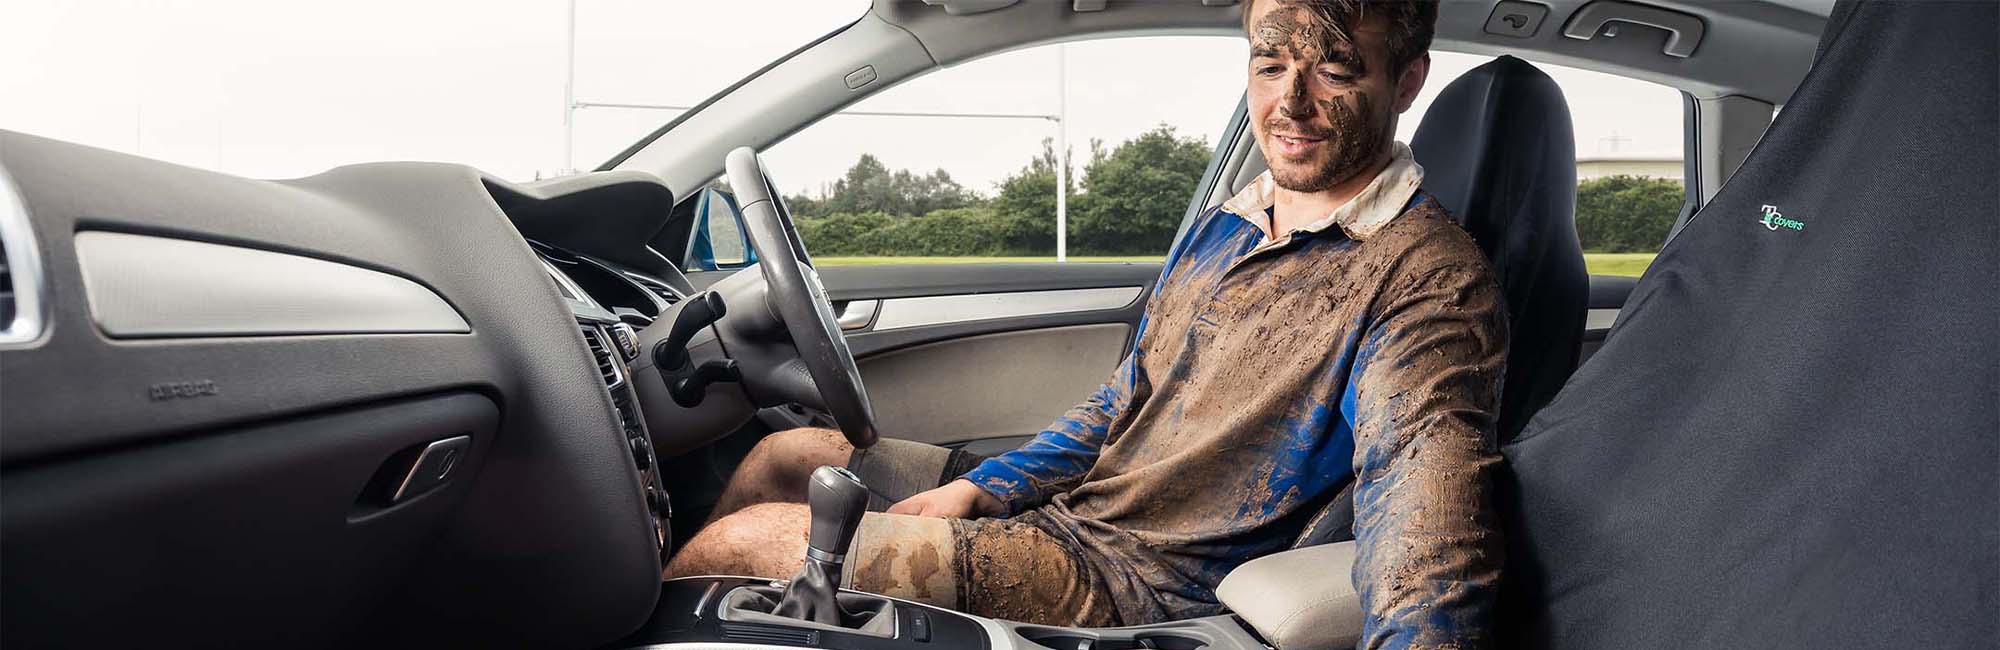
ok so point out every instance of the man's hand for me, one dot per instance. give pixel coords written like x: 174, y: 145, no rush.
x: 958, y: 499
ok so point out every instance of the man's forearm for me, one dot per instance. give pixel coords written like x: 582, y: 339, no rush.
x: 1059, y: 456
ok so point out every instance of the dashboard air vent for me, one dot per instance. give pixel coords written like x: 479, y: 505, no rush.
x: 658, y: 288
x: 600, y: 352
x: 6, y: 291
x: 23, y: 313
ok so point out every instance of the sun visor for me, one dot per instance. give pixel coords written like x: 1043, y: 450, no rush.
x: 1789, y: 438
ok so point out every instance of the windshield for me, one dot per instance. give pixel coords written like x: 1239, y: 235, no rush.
x: 278, y: 90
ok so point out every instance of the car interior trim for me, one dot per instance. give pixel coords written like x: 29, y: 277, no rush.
x: 23, y: 263
x: 857, y: 314
x: 900, y: 313
x: 1600, y: 319
x: 146, y: 286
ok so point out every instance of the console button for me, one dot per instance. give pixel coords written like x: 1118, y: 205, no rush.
x: 641, y: 456
x: 627, y: 339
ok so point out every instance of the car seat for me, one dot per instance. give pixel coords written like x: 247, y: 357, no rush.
x: 1499, y: 154
x: 1789, y: 437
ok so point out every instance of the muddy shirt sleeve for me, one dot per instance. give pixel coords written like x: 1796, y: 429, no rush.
x: 1427, y: 383
x: 1058, y: 457
x: 1056, y: 460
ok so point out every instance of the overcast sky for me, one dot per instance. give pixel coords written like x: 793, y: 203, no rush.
x: 277, y: 89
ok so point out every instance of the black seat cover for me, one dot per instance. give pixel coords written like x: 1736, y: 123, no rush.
x: 1499, y: 153
x: 1789, y: 438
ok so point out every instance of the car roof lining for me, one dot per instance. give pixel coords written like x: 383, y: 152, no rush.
x: 903, y: 39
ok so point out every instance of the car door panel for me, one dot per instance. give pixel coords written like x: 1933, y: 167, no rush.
x: 956, y: 353
x: 990, y: 385
x: 1607, y: 296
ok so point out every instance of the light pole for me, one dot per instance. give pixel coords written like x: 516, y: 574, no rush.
x: 1062, y: 154
x: 569, y: 98
x: 571, y: 105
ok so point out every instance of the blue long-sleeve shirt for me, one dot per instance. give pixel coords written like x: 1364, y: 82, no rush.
x: 1267, y: 374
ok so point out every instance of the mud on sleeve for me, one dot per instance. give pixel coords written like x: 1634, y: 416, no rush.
x: 1427, y: 381
x: 1056, y: 460
x: 1058, y: 457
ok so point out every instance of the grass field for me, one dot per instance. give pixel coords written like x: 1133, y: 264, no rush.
x: 1631, y: 264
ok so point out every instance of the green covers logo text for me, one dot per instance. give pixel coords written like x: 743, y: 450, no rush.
x: 1774, y: 220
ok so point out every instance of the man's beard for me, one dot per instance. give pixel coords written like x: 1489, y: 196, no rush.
x: 1347, y: 149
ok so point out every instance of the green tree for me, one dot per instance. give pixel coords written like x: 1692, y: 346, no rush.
x: 1626, y: 214
x: 870, y: 186
x: 844, y: 234
x: 1135, y: 194
x: 1025, y: 206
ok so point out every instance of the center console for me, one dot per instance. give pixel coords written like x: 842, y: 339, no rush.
x: 812, y: 611
x: 698, y: 614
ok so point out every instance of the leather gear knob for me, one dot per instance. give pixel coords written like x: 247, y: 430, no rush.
x: 837, y: 499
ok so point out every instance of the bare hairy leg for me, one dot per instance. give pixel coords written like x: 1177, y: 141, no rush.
x: 777, y: 469
x: 766, y: 540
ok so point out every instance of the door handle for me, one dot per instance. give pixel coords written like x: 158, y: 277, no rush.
x: 857, y: 314
x: 1684, y: 32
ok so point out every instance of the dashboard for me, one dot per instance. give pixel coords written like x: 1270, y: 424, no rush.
x: 609, y: 315
x: 364, y: 381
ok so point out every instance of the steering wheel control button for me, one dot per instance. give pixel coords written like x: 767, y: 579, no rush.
x: 438, y: 462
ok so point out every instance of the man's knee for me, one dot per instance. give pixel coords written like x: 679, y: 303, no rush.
x: 790, y: 456
x: 765, y: 540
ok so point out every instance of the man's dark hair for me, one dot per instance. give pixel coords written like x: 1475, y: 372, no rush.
x: 1411, y: 22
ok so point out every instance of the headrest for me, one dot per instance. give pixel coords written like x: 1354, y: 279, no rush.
x: 1498, y: 152
x: 1788, y: 440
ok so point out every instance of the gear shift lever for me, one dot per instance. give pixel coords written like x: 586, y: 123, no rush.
x: 837, y: 500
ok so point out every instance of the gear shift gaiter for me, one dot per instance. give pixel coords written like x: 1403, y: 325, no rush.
x: 837, y: 500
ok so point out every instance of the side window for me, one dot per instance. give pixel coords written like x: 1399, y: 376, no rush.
x: 961, y: 165
x: 719, y: 241
x: 1629, y: 139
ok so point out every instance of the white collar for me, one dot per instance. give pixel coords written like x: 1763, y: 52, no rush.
x: 1370, y: 209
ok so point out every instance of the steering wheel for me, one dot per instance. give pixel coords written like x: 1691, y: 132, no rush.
x: 795, y: 296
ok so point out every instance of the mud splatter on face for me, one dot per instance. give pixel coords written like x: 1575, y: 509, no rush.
x: 1355, y: 140
x: 1348, y: 123
x: 1304, y: 29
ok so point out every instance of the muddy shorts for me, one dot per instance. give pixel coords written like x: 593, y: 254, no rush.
x: 997, y: 568
x: 894, y: 469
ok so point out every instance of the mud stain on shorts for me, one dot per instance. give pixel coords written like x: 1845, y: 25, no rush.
x: 905, y: 557
x: 990, y: 567
x: 1017, y: 572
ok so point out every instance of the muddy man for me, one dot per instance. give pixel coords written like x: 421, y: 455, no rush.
x: 1329, y: 324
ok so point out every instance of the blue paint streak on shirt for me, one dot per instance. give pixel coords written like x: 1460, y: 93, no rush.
x: 1312, y: 445
x: 1321, y: 446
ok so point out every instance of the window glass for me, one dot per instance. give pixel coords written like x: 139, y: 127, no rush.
x: 285, y: 89
x: 1629, y: 136
x: 960, y: 165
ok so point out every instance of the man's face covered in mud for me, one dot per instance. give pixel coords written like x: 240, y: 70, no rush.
x: 1323, y: 92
